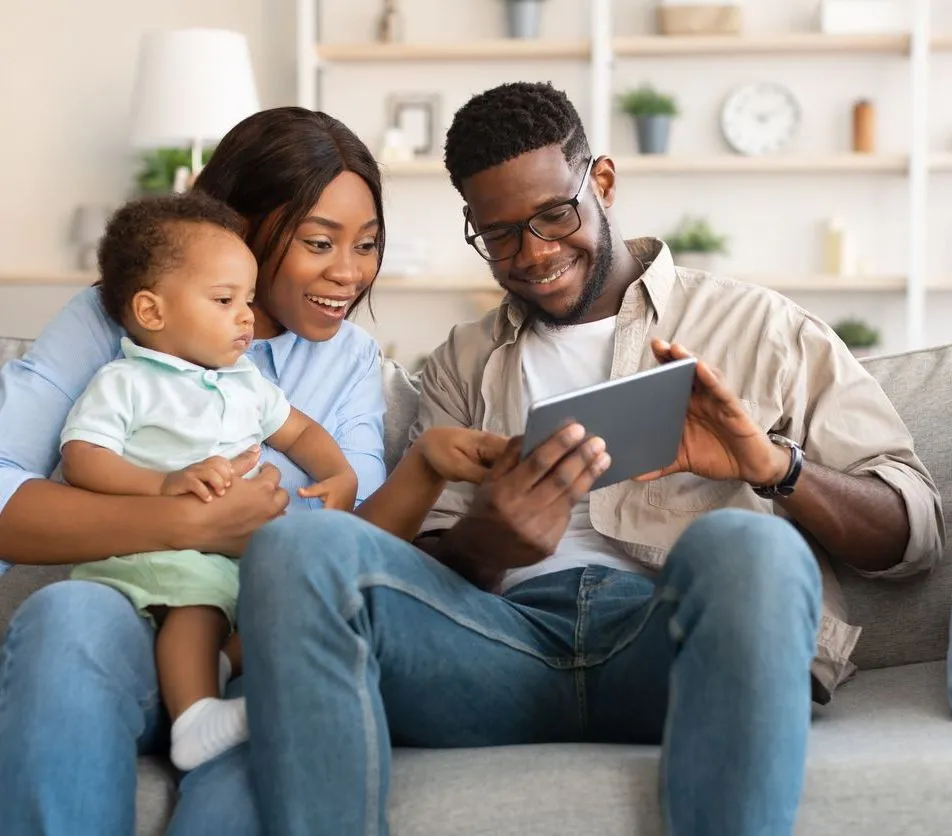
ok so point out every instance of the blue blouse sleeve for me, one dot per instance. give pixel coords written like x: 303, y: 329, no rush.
x: 37, y: 391
x: 360, y: 424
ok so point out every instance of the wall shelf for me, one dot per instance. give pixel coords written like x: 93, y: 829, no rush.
x: 942, y: 42
x: 499, y: 49
x: 792, y: 43
x: 636, y: 46
x: 816, y: 283
x: 718, y: 164
x: 53, y: 278
x: 774, y: 164
x: 941, y: 162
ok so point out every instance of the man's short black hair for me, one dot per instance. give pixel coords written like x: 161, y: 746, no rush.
x: 146, y: 238
x: 510, y: 120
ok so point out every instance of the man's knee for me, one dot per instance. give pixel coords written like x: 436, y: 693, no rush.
x: 763, y: 554
x: 301, y: 550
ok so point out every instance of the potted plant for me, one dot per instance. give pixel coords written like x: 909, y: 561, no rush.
x: 523, y: 17
x: 652, y: 112
x: 158, y: 168
x: 859, y: 337
x: 694, y: 244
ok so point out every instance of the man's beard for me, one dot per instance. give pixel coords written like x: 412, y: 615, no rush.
x: 594, y: 285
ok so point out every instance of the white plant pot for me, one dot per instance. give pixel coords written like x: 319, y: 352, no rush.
x: 708, y: 262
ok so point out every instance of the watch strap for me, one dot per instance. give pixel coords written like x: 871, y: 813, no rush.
x: 785, y: 486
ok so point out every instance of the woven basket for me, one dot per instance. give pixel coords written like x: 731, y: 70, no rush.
x: 699, y: 20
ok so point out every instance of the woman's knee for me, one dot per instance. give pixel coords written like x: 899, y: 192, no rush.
x: 73, y: 640
x: 70, y: 615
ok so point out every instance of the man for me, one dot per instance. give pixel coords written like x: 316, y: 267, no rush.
x: 631, y: 615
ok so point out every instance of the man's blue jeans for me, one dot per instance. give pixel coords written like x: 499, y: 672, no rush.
x: 353, y: 639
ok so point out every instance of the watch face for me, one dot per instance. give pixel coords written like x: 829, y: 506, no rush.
x: 760, y: 119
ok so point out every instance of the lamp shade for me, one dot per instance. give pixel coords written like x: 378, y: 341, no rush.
x: 191, y: 86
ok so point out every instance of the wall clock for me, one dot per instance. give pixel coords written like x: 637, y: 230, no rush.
x: 760, y: 118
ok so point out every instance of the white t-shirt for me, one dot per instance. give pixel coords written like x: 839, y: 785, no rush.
x: 557, y: 360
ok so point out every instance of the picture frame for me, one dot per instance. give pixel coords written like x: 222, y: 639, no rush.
x: 416, y: 115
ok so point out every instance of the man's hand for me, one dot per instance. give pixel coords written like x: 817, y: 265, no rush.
x: 458, y: 454
x: 225, y: 525
x: 206, y: 479
x: 720, y: 440
x: 338, y: 491
x: 522, y: 508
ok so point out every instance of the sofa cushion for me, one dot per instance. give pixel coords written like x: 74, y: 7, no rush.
x: 879, y: 763
x: 908, y: 621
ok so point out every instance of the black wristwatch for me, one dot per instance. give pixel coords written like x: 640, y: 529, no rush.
x: 785, y: 486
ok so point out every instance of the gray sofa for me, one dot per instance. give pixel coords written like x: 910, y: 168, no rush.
x: 880, y: 759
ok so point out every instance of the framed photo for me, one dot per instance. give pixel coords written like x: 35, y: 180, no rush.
x: 416, y: 115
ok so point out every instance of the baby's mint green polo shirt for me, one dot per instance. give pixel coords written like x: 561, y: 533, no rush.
x: 164, y: 413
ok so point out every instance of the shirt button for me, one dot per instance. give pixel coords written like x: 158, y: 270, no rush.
x: 210, y: 377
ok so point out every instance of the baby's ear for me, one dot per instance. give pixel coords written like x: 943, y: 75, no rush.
x: 147, y: 311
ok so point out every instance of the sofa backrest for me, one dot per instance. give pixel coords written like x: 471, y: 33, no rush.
x: 902, y: 621
x: 908, y: 621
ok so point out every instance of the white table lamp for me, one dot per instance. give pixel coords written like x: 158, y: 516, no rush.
x: 192, y: 86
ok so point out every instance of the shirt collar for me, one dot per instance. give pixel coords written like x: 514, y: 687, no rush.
x: 656, y: 281
x: 134, y: 351
x: 281, y: 346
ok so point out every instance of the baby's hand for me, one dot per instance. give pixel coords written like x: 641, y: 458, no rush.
x: 338, y: 491
x: 205, y: 479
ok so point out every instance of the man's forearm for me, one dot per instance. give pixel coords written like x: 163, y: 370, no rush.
x: 446, y: 547
x: 45, y: 522
x: 858, y: 519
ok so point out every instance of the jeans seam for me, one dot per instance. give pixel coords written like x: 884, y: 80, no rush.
x: 582, y: 607
x: 371, y: 740
x: 664, y: 595
x: 375, y: 579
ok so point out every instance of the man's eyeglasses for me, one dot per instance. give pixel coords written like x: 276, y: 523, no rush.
x: 501, y: 242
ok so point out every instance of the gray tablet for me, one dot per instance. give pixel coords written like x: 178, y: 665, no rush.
x: 641, y: 418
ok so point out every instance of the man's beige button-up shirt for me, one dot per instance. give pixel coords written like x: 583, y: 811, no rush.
x: 785, y: 365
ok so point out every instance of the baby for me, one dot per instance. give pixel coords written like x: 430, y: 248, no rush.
x: 166, y: 418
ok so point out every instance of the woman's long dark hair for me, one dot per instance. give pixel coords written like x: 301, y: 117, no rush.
x: 282, y: 159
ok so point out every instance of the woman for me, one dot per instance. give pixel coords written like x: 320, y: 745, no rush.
x: 78, y: 691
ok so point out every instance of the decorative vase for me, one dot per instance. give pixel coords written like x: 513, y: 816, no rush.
x: 653, y: 132
x: 523, y: 17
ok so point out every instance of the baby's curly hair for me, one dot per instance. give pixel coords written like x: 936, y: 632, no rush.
x: 509, y: 120
x: 146, y: 238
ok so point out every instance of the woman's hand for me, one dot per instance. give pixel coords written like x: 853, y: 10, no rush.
x: 225, y: 525
x: 457, y: 454
x: 720, y: 440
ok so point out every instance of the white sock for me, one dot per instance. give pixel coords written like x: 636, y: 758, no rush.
x: 206, y: 729
x: 224, y: 672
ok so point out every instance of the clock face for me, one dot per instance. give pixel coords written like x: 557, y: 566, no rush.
x: 760, y: 119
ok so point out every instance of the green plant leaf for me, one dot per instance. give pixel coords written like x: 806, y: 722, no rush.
x: 695, y: 235
x: 156, y: 174
x: 856, y: 333
x: 646, y: 101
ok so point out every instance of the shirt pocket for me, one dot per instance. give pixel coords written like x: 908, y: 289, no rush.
x: 685, y: 493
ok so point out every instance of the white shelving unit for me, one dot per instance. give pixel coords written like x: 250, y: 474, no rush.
x: 602, y: 51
